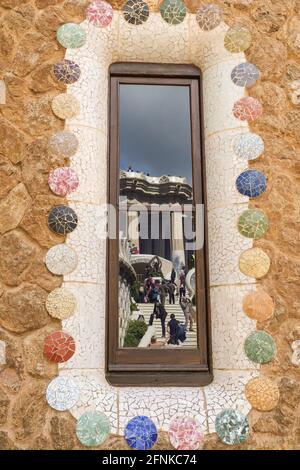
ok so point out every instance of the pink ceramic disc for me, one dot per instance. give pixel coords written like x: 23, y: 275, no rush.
x: 99, y: 13
x: 185, y: 434
x: 247, y: 109
x: 63, y: 181
x: 59, y: 347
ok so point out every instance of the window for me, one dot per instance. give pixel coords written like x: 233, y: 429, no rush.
x: 158, y: 325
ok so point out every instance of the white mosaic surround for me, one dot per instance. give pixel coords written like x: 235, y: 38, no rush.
x: 156, y: 41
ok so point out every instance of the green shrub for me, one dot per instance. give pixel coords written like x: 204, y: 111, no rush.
x: 134, y: 333
x: 134, y: 290
x: 133, y: 307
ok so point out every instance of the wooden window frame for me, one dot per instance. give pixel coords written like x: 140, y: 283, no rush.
x: 158, y: 367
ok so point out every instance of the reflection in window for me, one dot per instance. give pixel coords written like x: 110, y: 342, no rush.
x: 156, y: 295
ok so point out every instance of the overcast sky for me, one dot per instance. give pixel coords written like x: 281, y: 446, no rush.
x: 155, y: 134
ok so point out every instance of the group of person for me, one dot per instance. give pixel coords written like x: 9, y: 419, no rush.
x: 176, y: 329
x: 153, y: 289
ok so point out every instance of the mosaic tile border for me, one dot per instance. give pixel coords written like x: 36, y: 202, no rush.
x: 236, y: 40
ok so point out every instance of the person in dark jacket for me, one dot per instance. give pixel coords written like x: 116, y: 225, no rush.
x: 173, y: 327
x: 171, y: 289
x: 159, y: 312
x: 173, y: 275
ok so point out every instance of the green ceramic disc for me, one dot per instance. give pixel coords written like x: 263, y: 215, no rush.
x: 232, y: 427
x: 71, y: 36
x: 260, y: 347
x: 253, y: 223
x: 92, y: 428
x: 173, y: 11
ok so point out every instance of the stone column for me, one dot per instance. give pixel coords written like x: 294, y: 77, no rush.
x: 177, y: 237
x: 133, y: 228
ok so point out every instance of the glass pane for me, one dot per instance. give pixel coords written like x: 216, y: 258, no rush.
x: 156, y: 258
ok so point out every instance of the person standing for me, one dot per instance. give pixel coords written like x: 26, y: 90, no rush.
x: 163, y: 290
x: 185, y: 305
x: 159, y: 313
x: 173, y: 275
x: 171, y: 289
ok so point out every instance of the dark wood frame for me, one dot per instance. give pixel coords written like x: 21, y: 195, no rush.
x: 144, y: 367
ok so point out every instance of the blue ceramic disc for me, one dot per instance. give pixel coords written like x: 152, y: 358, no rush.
x: 251, y: 183
x: 140, y: 433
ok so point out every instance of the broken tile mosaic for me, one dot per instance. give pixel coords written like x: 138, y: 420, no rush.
x: 62, y: 393
x: 60, y: 303
x: 65, y: 106
x: 59, y: 347
x: 92, y: 428
x: 260, y: 347
x: 258, y: 305
x: 247, y: 109
x: 66, y: 71
x: 99, y: 13
x: 209, y: 17
x: 245, y: 74
x: 61, y: 259
x: 185, y: 433
x: 63, y: 144
x: 232, y: 427
x: 63, y: 181
x: 173, y: 11
x: 237, y: 39
x: 262, y: 394
x: 254, y: 263
x: 140, y: 433
x: 253, y: 223
x: 251, y: 183
x: 136, y: 12
x: 71, y: 36
x: 62, y: 220
x: 248, y: 146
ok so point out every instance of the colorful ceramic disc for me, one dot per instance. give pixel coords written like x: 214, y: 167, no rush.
x: 71, y: 36
x: 63, y: 144
x: 185, y: 434
x: 60, y: 303
x: 61, y: 259
x: 262, y: 394
x: 136, y: 12
x: 99, y: 13
x: 66, y: 71
x: 258, y: 305
x: 248, y: 146
x: 260, y: 347
x: 254, y: 263
x: 62, y: 220
x: 59, y: 347
x: 63, y: 181
x: 251, y: 183
x: 253, y: 223
x: 232, y: 427
x: 247, y: 109
x: 140, y: 433
x: 65, y: 106
x: 173, y: 11
x: 237, y: 39
x: 62, y: 393
x: 92, y: 428
x: 209, y: 17
x: 245, y: 74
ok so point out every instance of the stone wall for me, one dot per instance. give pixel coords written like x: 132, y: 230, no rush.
x: 28, y: 49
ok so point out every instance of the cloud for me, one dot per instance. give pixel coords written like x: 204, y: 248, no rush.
x: 155, y: 133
